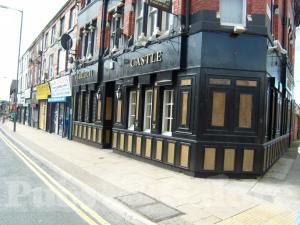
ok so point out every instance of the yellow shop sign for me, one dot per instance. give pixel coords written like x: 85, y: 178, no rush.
x: 43, y: 91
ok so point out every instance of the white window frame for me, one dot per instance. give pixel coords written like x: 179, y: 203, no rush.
x: 130, y: 115
x: 148, y: 104
x: 244, y: 16
x: 139, y: 18
x: 152, y: 11
x: 51, y: 71
x: 167, y: 17
x: 170, y: 117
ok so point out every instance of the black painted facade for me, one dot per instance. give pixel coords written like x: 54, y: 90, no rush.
x: 228, y: 97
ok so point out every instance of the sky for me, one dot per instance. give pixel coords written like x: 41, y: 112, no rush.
x: 37, y: 13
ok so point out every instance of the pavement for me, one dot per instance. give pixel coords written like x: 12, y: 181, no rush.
x: 145, y: 194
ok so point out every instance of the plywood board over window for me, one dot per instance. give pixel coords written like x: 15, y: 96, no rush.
x: 245, y: 111
x: 158, y: 153
x: 119, y: 111
x: 209, y: 159
x: 184, y: 156
x: 171, y: 153
x: 248, y: 160
x: 218, y: 109
x: 229, y: 159
x: 184, y: 107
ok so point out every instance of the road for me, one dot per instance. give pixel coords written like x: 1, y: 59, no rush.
x: 31, y: 195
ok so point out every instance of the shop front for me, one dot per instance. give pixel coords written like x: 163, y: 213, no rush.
x: 34, y: 109
x: 21, y: 108
x: 42, y: 94
x: 27, y: 96
x: 60, y: 106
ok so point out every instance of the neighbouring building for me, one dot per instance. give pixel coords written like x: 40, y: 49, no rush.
x: 23, y: 85
x: 203, y: 87
x: 57, y: 71
x: 295, y: 131
x: 35, y: 74
x: 87, y: 112
x: 13, y: 97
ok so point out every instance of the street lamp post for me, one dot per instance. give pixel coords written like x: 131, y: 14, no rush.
x: 20, y: 40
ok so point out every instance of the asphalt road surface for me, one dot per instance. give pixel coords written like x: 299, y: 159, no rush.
x: 31, y: 195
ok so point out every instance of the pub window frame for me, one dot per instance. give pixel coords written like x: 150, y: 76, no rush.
x: 131, y: 116
x: 168, y: 131
x: 250, y: 90
x: 149, y: 117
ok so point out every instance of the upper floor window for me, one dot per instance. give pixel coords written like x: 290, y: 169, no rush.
x: 51, y: 71
x: 72, y: 18
x: 88, y: 39
x: 152, y: 20
x: 116, y: 29
x: 139, y: 13
x: 46, y: 40
x: 53, y: 33
x: 233, y: 12
x: 62, y: 26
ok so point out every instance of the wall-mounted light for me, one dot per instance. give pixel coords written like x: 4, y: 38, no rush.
x: 118, y: 93
x: 98, y: 94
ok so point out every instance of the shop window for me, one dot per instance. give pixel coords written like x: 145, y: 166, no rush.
x: 119, y: 111
x: 184, y: 108
x: 245, y: 111
x: 167, y: 112
x: 148, y: 110
x: 132, y: 110
x: 233, y: 12
x: 218, y: 109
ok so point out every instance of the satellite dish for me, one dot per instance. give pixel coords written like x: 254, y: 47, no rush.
x: 66, y: 41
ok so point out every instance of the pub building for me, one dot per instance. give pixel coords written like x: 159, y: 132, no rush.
x: 86, y: 78
x: 205, y: 94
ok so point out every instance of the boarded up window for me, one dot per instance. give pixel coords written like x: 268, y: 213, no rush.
x: 246, y: 83
x: 184, y: 107
x: 218, y: 109
x: 119, y: 111
x: 108, y: 114
x: 99, y: 109
x: 245, y: 111
x: 248, y: 160
x: 209, y: 159
x: 229, y: 159
x: 215, y: 81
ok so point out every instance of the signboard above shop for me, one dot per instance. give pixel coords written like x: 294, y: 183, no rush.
x: 84, y: 77
x: 164, y: 5
x: 43, y: 91
x: 61, y: 87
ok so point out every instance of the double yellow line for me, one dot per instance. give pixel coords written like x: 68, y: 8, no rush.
x: 85, y: 212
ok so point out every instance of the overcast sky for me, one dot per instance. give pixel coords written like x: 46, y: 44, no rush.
x: 36, y: 15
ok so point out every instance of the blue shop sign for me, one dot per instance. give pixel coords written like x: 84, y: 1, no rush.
x: 57, y: 99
